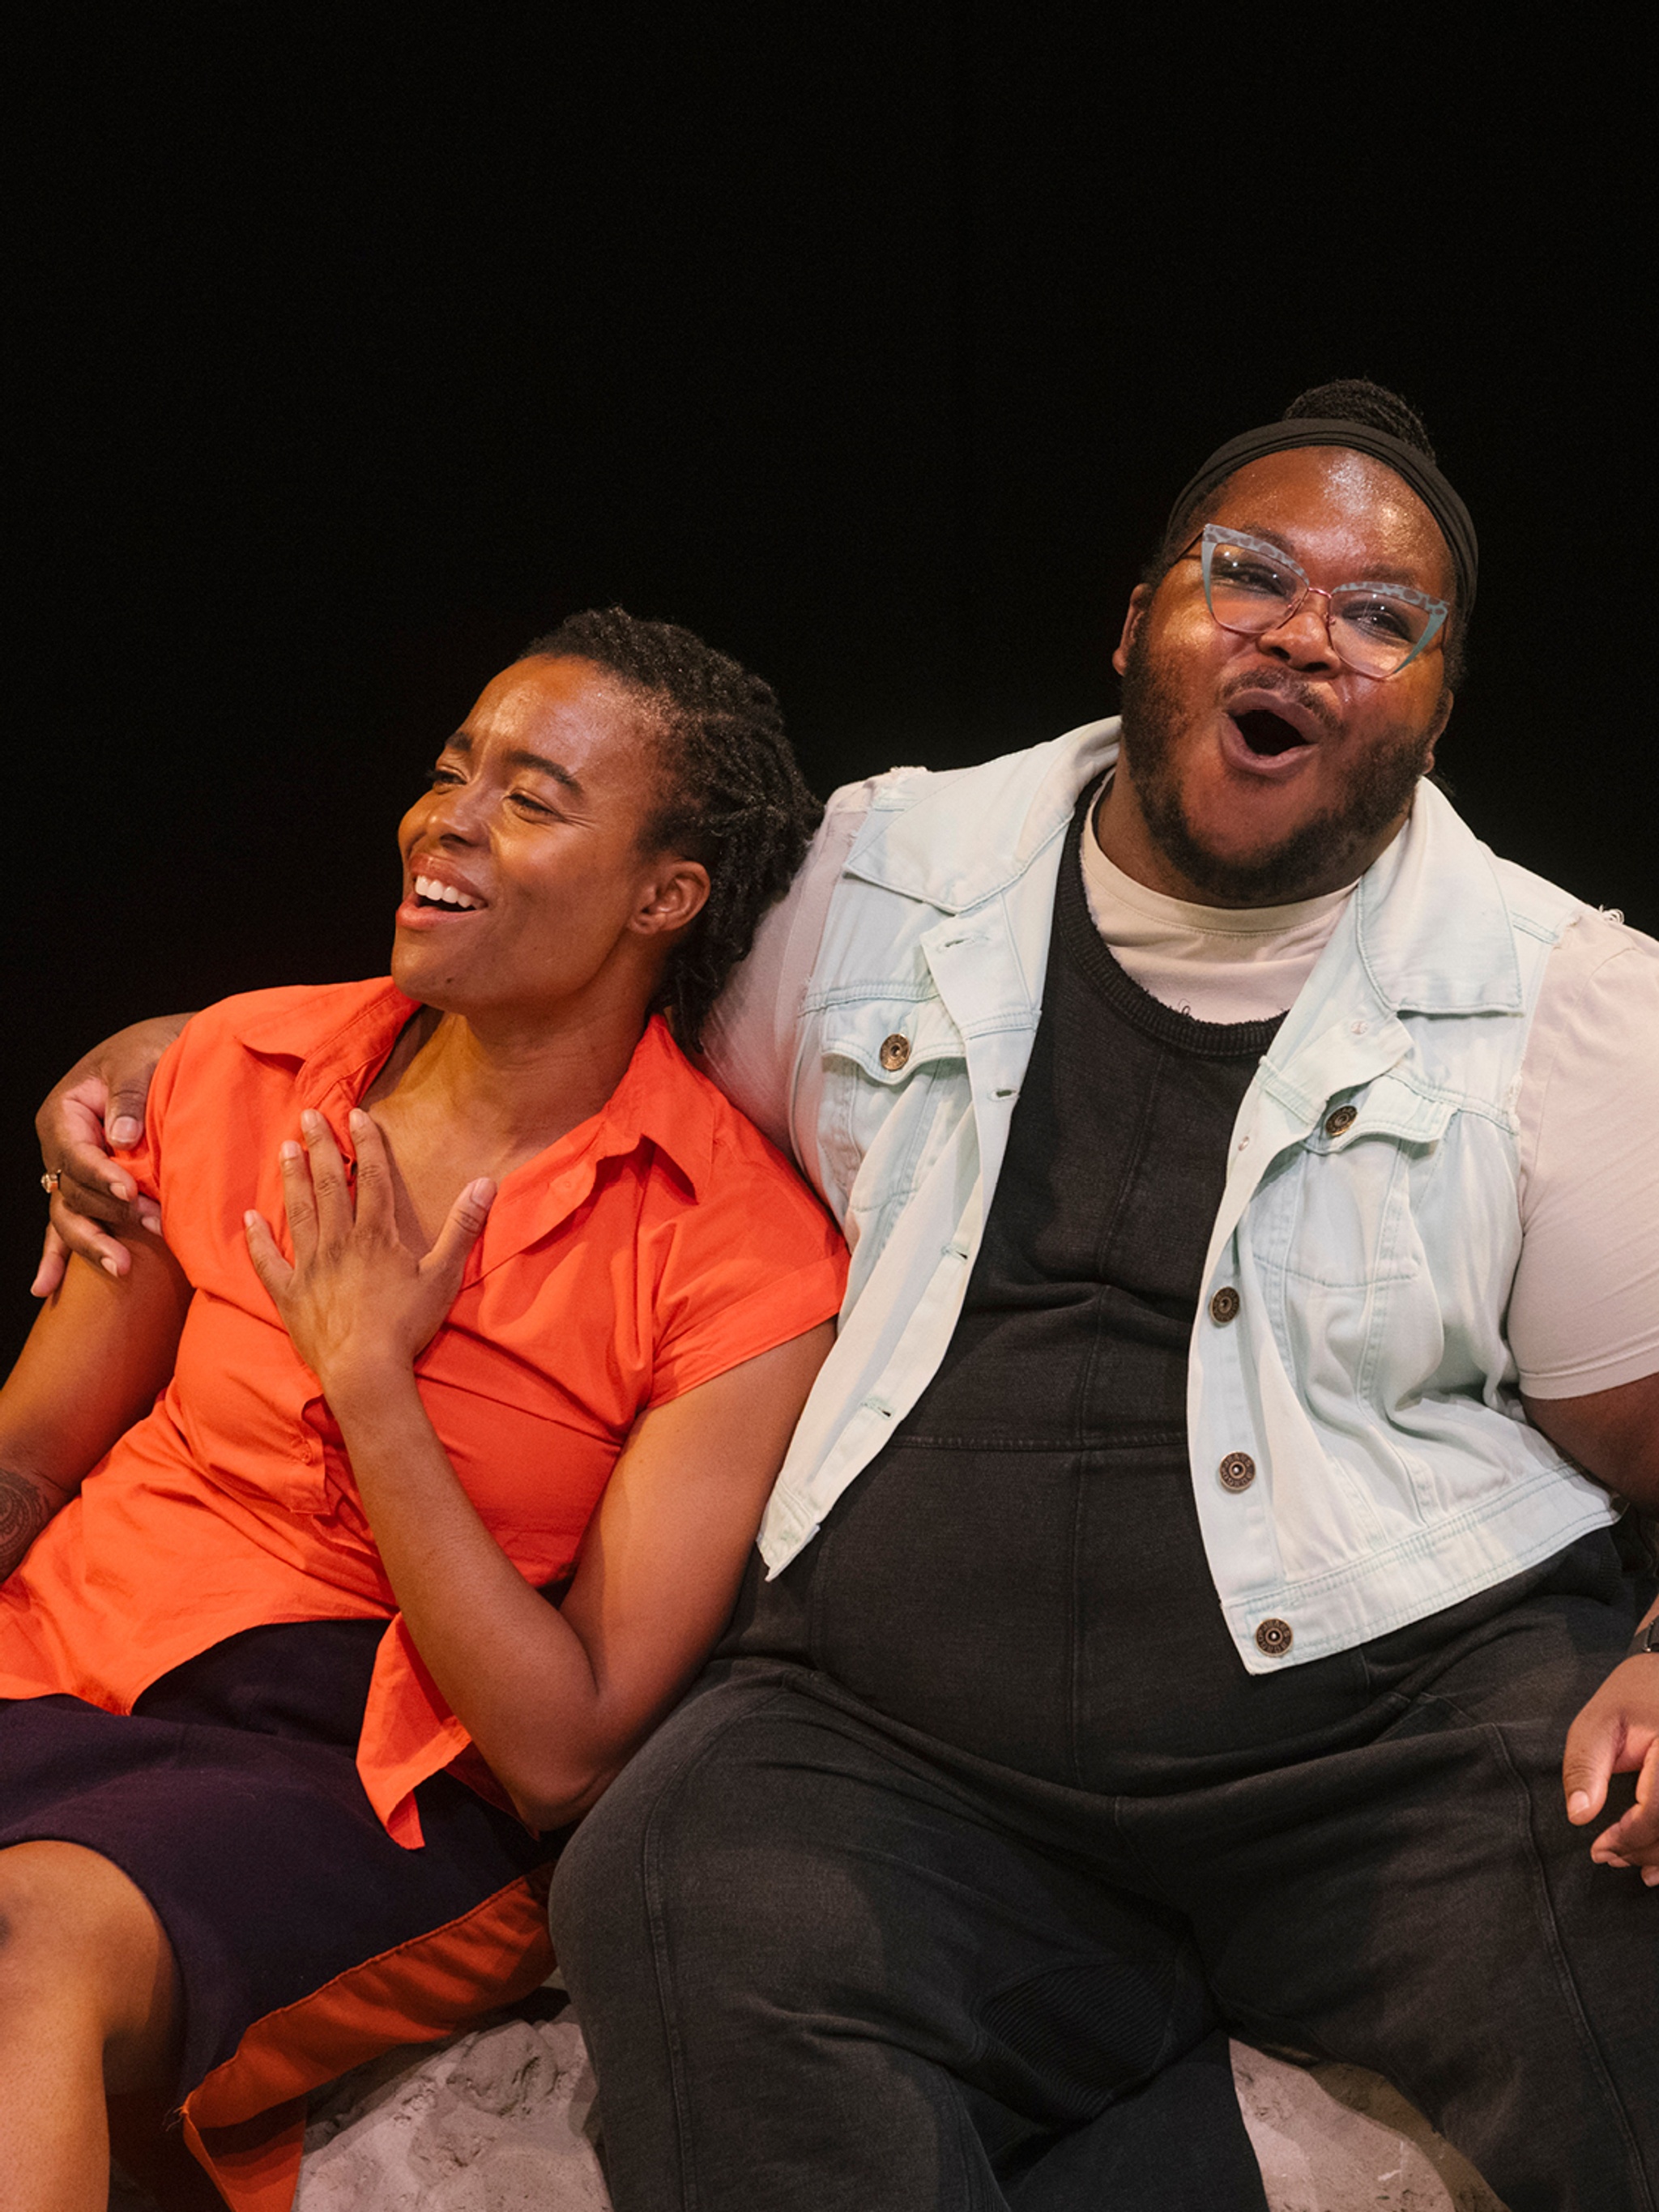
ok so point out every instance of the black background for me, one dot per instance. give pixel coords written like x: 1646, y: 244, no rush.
x: 359, y: 345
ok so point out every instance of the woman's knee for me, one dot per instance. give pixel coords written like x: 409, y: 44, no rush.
x: 77, y: 1933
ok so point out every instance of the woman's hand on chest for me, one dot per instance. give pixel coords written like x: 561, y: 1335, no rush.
x: 359, y: 1301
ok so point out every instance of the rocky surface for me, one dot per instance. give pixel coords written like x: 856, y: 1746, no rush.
x: 502, y: 2120
x: 1339, y: 2139
x: 496, y: 2121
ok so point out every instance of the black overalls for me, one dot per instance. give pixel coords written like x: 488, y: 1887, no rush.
x: 943, y: 1888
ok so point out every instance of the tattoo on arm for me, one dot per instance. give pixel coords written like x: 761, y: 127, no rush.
x: 25, y: 1509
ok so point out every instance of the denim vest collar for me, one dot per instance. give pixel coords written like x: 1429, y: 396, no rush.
x: 929, y: 851
x: 1432, y: 932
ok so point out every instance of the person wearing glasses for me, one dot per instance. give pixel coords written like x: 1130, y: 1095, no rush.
x: 1196, y: 1559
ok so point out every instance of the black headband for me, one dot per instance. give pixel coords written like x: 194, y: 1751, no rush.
x: 1418, y: 470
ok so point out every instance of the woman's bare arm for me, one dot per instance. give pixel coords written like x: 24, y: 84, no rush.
x: 94, y: 1362
x: 99, y: 1102
x: 556, y: 1699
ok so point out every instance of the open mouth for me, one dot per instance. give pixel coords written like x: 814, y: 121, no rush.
x: 1266, y: 734
x: 444, y: 898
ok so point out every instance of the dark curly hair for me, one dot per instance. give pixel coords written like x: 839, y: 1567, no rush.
x: 1349, y: 399
x: 732, y: 794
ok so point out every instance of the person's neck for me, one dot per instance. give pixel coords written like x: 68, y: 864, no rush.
x: 514, y: 1084
x: 1126, y: 837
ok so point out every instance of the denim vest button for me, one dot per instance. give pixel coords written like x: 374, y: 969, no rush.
x: 1224, y: 1305
x: 894, y: 1051
x: 1343, y: 1118
x: 1273, y: 1639
x: 1237, y: 1472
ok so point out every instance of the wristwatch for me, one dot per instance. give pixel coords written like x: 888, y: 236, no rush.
x: 1645, y: 1639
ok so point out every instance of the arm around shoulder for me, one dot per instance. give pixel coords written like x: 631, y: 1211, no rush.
x: 96, y: 1357
x: 100, y: 1103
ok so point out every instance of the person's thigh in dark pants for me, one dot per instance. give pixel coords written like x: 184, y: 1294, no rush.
x: 818, y: 1975
x: 1422, y: 1907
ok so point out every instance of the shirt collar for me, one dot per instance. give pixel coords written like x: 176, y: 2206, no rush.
x: 1431, y: 922
x: 661, y: 1099
x: 335, y: 1038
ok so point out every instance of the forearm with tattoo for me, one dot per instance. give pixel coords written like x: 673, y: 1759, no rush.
x: 26, y: 1506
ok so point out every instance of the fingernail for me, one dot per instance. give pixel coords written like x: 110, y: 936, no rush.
x: 1577, y: 1805
x: 355, y: 1116
x: 1649, y: 1875
x: 110, y: 1268
x: 123, y: 1130
x: 120, y: 1190
x: 291, y: 1151
x: 37, y: 1288
x: 249, y: 1218
x: 480, y: 1192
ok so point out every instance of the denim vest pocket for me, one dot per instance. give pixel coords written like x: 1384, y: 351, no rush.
x: 1378, y: 1329
x: 1342, y: 1202
x: 894, y: 1088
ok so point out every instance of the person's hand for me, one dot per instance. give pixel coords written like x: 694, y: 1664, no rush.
x: 357, y: 1303
x: 1618, y: 1733
x: 100, y: 1103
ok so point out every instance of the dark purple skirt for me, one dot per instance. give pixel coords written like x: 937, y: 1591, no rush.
x: 230, y: 1796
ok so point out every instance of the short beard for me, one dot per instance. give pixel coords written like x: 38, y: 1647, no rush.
x: 1330, y: 850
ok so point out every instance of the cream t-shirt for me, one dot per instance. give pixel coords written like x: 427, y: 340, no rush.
x: 1584, y: 1311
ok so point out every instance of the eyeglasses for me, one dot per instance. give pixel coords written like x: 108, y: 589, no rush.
x: 1252, y: 587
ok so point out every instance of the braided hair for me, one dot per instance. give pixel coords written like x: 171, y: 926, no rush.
x: 1348, y: 399
x: 1355, y: 399
x: 730, y: 794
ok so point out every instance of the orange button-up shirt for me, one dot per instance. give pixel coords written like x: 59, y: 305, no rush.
x: 653, y: 1247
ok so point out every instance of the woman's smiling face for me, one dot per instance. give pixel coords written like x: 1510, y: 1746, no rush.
x: 527, y: 890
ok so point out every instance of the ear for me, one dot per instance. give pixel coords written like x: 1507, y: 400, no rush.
x: 1139, y: 600
x: 675, y: 895
x: 1442, y: 716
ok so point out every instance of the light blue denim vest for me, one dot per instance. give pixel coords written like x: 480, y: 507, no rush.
x: 1369, y: 1226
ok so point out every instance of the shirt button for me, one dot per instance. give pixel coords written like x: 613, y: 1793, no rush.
x: 1343, y: 1117
x: 1237, y: 1472
x: 894, y: 1051
x: 1224, y: 1305
x: 1273, y: 1639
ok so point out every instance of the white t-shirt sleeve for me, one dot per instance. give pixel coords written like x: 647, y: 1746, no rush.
x: 1584, y: 1310
x: 750, y: 1039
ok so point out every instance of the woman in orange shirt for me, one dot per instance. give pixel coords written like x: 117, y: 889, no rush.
x: 480, y: 1324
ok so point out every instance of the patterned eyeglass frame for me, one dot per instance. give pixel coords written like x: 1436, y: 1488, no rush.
x: 1213, y: 534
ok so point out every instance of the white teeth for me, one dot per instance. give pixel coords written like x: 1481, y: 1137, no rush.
x: 429, y: 887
